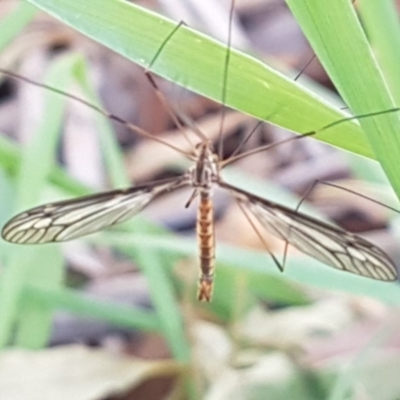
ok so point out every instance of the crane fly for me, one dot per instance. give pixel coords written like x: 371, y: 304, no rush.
x: 71, y: 219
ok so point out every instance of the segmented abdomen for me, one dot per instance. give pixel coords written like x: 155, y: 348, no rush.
x: 206, y: 240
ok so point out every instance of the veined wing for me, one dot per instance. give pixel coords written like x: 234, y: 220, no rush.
x: 331, y: 245
x: 70, y: 219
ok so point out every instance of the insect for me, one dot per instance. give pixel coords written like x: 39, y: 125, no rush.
x: 71, y: 219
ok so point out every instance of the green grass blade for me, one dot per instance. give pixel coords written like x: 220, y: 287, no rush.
x: 29, y: 263
x: 337, y: 38
x: 380, y: 20
x: 115, y: 314
x: 253, y: 87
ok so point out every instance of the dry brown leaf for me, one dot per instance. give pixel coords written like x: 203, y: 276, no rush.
x: 74, y: 372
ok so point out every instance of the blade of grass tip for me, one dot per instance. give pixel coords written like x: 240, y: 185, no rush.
x: 336, y: 36
x: 25, y: 263
x: 253, y: 87
x: 380, y: 20
x: 13, y: 23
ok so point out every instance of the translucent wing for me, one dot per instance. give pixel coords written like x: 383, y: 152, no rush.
x: 332, y: 246
x: 66, y: 220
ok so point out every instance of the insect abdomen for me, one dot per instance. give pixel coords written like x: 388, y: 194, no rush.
x: 206, y: 240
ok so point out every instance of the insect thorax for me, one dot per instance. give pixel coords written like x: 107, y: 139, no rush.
x: 205, y: 170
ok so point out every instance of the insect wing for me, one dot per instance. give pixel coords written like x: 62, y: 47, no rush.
x: 326, y: 243
x: 70, y: 219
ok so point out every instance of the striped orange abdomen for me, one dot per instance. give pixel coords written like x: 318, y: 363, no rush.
x: 206, y: 240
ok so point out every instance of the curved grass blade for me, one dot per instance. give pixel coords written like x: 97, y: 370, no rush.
x: 253, y: 87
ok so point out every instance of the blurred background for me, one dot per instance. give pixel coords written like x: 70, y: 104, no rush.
x: 115, y: 316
